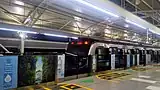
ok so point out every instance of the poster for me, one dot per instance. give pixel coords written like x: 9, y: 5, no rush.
x: 137, y: 59
x: 61, y: 66
x: 133, y: 60
x: 113, y: 57
x: 148, y: 58
x: 94, y: 63
x: 39, y: 70
x: 8, y: 72
x: 128, y: 61
x: 36, y: 69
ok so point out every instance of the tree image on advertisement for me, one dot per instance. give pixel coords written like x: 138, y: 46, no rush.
x: 36, y: 69
x: 26, y: 69
x: 48, y: 68
x: 39, y: 69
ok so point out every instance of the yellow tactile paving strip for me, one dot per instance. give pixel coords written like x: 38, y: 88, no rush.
x: 62, y: 86
x: 111, y: 75
x: 140, y: 69
x: 73, y: 87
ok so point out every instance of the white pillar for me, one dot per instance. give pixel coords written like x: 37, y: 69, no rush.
x: 22, y: 46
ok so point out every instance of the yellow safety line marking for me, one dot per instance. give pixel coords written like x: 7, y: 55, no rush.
x: 116, y: 76
x: 30, y: 88
x: 82, y: 87
x: 66, y: 85
x: 45, y: 88
x: 65, y: 88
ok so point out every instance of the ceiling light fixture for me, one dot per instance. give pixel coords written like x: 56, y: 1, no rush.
x: 62, y: 36
x: 14, y: 30
x: 19, y: 2
x: 97, y: 8
x: 107, y: 31
x: 131, y: 22
x: 23, y: 35
x: 74, y: 37
x: 126, y: 25
x: 88, y: 32
x: 55, y: 35
x: 125, y: 35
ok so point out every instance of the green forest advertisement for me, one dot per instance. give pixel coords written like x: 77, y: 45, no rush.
x: 35, y: 69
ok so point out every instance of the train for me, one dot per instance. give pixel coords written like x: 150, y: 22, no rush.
x: 101, y: 55
x: 70, y: 58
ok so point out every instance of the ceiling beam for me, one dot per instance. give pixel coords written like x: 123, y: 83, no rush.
x: 144, y: 12
x: 36, y: 13
x: 3, y: 10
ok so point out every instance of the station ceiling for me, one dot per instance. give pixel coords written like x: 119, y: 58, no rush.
x: 80, y: 20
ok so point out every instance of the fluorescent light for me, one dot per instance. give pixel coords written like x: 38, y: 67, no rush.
x: 18, y: 10
x: 62, y: 36
x: 19, y: 2
x: 97, y: 8
x: 55, y: 35
x: 126, y: 25
x: 23, y: 35
x: 125, y: 35
x: 88, y: 31
x: 14, y: 30
x: 153, y: 31
x: 128, y: 21
x: 107, y: 31
x: 74, y: 37
x: 77, y: 18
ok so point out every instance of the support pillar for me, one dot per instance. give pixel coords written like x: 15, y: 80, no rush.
x: 22, y: 46
x: 147, y: 41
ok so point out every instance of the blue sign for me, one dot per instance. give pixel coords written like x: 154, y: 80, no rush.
x: 8, y: 72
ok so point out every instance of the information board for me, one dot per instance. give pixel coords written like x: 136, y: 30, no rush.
x: 128, y: 61
x: 61, y: 66
x: 113, y: 57
x: 8, y: 72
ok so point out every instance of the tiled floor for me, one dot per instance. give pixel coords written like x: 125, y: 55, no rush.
x: 148, y: 79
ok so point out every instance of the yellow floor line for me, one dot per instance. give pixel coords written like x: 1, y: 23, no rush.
x: 30, y: 88
x: 83, y: 87
x: 65, y: 88
x: 45, y: 88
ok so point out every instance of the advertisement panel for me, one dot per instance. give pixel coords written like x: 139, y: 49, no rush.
x: 39, y: 70
x: 94, y: 63
x: 133, y: 60
x: 36, y: 69
x: 128, y: 61
x: 113, y: 57
x: 8, y: 72
x: 148, y: 58
x: 61, y: 66
x: 137, y: 59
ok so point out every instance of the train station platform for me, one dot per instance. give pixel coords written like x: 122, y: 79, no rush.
x: 137, y: 78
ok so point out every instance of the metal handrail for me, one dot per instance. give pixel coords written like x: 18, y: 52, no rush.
x: 7, y: 51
